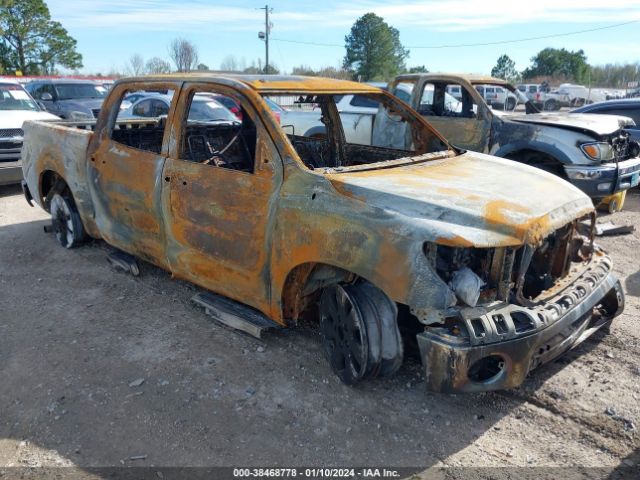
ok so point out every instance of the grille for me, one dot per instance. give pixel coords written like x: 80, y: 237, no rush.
x: 10, y: 145
x: 96, y: 112
x: 11, y: 132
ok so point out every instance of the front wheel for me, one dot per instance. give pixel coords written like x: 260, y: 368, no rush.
x: 511, y: 104
x: 360, y: 333
x: 66, y: 222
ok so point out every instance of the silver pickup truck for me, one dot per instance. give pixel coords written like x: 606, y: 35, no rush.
x: 593, y: 152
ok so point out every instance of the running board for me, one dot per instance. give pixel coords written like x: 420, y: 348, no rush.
x: 123, y: 261
x: 234, y: 314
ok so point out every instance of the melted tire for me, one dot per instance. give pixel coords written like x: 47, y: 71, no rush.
x: 67, y: 225
x: 386, y: 315
x: 361, y: 307
x: 344, y: 334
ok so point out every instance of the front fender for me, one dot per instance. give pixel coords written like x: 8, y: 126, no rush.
x: 558, y: 143
x: 318, y: 225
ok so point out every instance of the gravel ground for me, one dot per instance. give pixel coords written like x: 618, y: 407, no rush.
x: 98, y: 367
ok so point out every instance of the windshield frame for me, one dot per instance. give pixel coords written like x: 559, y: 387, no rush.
x: 337, y: 137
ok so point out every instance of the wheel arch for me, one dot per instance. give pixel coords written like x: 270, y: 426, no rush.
x: 317, y: 130
x: 49, y: 183
x: 512, y: 149
x: 306, y: 280
x: 538, y: 158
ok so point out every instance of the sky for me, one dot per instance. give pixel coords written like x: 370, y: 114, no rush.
x: 109, y: 32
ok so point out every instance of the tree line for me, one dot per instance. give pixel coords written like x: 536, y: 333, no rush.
x: 34, y: 44
x: 559, y: 65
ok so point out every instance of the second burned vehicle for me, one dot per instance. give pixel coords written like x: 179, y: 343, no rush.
x: 592, y: 152
x: 375, y: 241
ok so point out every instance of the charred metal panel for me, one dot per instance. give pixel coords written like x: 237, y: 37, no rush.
x: 127, y: 182
x: 220, y: 221
x: 50, y: 147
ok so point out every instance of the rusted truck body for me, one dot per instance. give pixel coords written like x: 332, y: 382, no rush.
x: 384, y: 246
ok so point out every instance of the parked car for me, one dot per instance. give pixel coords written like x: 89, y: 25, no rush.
x: 204, y: 108
x: 135, y: 96
x: 356, y: 104
x: 530, y: 90
x: 626, y: 107
x: 593, y: 152
x: 497, y: 97
x: 78, y: 100
x: 488, y: 264
x: 543, y: 97
x: 16, y: 106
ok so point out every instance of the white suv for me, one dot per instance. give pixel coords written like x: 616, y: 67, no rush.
x: 498, y: 97
x: 16, y: 106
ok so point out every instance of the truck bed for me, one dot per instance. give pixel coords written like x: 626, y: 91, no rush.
x: 60, y: 147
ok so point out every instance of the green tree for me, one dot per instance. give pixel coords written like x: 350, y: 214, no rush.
x: 271, y: 70
x: 559, y: 62
x: 505, y: 68
x: 374, y: 51
x: 418, y: 69
x: 31, y: 41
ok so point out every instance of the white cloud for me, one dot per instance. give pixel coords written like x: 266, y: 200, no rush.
x: 436, y: 15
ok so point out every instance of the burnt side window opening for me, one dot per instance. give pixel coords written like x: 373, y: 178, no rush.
x: 378, y: 129
x: 218, y: 131
x: 142, y: 118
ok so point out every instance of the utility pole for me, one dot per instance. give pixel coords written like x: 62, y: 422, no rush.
x: 265, y: 35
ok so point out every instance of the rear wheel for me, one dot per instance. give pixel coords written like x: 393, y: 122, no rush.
x: 511, y: 104
x: 360, y: 334
x: 551, y: 105
x: 66, y: 222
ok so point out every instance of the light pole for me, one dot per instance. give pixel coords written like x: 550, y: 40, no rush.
x: 265, y: 35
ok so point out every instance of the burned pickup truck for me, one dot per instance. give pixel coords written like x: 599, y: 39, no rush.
x: 592, y: 152
x: 387, y: 248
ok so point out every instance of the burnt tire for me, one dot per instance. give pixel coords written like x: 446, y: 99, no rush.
x: 384, y: 312
x: 66, y: 222
x: 358, y: 323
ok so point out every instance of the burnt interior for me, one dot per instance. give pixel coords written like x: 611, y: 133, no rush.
x: 230, y: 145
x: 318, y: 152
x: 141, y: 135
x: 329, y: 146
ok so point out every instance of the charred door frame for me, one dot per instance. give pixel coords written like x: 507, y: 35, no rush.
x: 219, y: 221
x: 483, y: 119
x: 128, y: 181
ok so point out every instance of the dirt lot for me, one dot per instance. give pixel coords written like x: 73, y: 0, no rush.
x: 97, y: 366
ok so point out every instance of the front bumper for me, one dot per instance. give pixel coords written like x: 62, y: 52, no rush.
x: 507, y: 341
x: 10, y: 172
x: 602, y: 180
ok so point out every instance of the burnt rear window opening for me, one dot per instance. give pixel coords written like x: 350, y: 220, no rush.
x: 326, y: 138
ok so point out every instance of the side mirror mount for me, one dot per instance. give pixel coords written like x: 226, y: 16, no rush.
x: 46, y: 97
